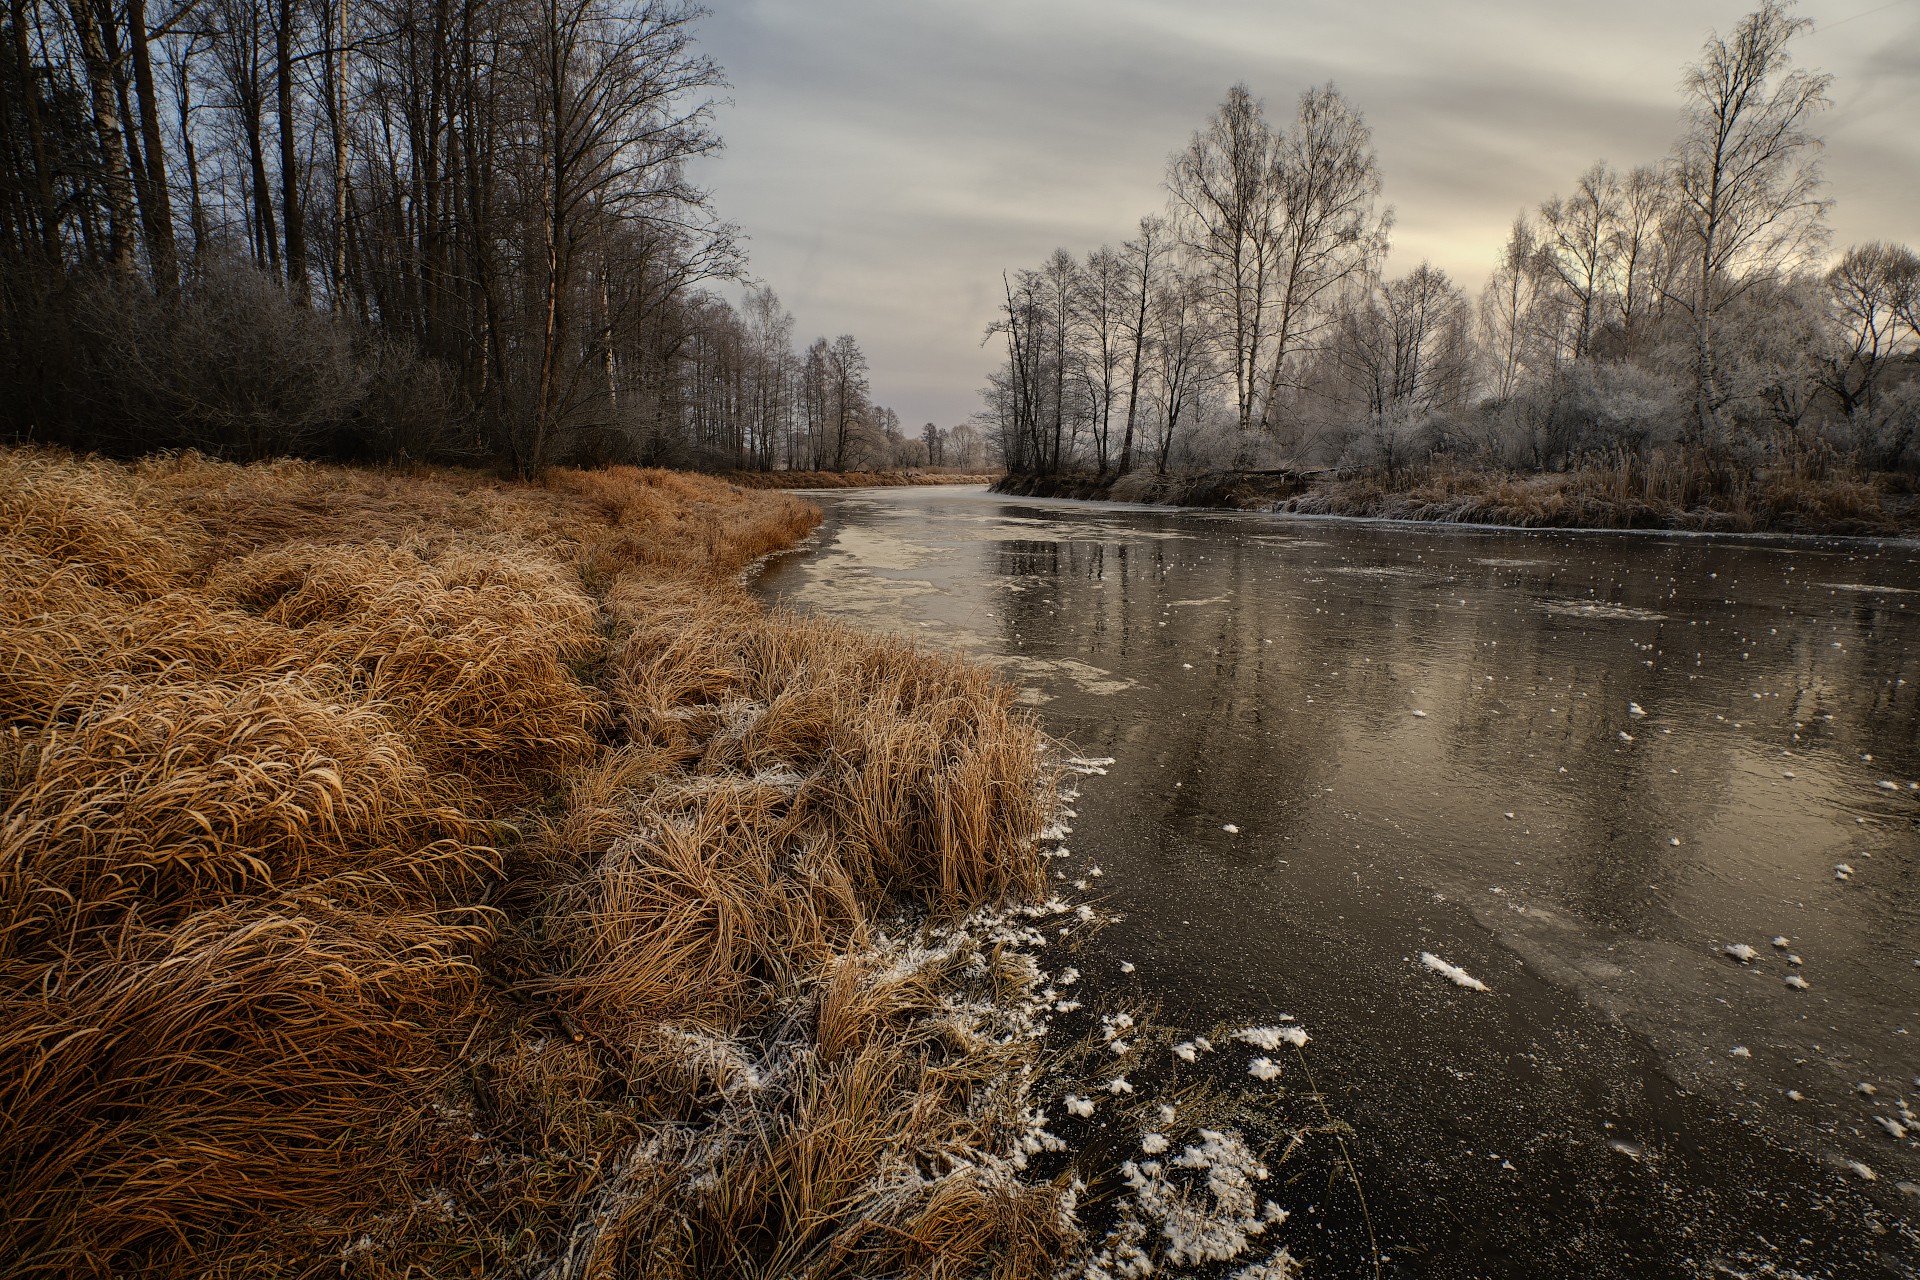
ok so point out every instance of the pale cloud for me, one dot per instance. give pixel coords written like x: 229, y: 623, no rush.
x: 888, y: 158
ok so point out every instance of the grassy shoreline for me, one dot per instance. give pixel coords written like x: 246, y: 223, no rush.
x: 855, y: 479
x: 406, y: 872
x: 1652, y: 496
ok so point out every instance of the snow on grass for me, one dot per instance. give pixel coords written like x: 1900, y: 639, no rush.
x: 1271, y: 1038
x: 1153, y: 1143
x: 1453, y: 973
x: 1079, y: 1106
x: 1280, y: 1265
x: 1191, y: 1221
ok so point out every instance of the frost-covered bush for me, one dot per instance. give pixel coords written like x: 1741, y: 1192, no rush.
x: 1618, y: 408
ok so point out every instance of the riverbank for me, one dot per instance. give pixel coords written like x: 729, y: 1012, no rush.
x: 1644, y: 497
x: 410, y: 873
x: 855, y: 479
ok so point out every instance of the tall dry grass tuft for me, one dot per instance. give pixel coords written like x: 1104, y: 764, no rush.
x: 919, y: 762
x: 468, y: 650
x: 680, y: 523
x: 272, y: 1003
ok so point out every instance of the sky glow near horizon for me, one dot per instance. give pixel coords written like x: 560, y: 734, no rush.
x: 887, y: 159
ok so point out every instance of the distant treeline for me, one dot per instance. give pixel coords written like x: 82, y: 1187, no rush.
x: 1688, y: 307
x: 451, y: 231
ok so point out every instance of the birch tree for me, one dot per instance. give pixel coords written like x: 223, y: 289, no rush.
x: 1746, y: 181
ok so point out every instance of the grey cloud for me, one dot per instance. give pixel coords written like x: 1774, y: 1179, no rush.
x: 888, y: 159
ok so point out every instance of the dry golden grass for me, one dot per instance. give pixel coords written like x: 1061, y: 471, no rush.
x: 271, y: 1002
x: 1669, y: 490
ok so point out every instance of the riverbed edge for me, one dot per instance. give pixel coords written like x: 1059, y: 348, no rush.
x: 1550, y: 501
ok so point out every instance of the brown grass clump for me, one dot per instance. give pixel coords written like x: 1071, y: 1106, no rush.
x: 272, y: 1003
x: 469, y: 651
x: 914, y: 760
x: 680, y: 523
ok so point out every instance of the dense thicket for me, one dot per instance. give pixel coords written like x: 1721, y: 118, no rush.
x: 391, y: 229
x: 1688, y: 307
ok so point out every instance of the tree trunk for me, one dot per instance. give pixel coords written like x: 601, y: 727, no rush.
x: 36, y: 136
x: 113, y: 147
x: 290, y: 209
x: 158, y: 204
x: 337, y: 108
x: 197, y: 211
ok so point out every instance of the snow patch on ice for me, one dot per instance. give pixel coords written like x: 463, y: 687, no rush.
x: 1453, y: 973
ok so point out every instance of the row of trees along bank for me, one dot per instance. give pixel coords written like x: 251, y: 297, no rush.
x: 394, y: 229
x: 1689, y: 305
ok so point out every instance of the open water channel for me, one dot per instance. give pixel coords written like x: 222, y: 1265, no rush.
x: 1580, y: 766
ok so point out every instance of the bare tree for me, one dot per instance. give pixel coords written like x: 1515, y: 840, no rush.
x: 1225, y: 198
x: 1746, y: 180
x: 1870, y: 302
x: 1509, y: 307
x: 1581, y: 236
x: 846, y: 374
x: 1145, y: 264
x: 1644, y: 257
x: 1329, y: 234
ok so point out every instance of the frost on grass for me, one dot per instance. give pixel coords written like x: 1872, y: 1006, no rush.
x: 989, y: 1004
x: 1740, y: 951
x: 1203, y: 1206
x: 1453, y: 973
x: 1263, y: 1069
x: 1271, y: 1038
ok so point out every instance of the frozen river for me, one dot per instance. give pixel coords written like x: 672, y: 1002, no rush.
x: 1579, y: 766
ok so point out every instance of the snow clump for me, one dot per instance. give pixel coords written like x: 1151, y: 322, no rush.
x: 1453, y: 973
x: 1271, y: 1038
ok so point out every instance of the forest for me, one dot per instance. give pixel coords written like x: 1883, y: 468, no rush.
x: 397, y: 231
x: 1687, y: 316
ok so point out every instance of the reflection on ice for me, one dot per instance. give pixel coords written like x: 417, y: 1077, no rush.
x: 1583, y: 769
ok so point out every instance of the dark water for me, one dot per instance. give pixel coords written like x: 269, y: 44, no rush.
x: 1589, y: 1115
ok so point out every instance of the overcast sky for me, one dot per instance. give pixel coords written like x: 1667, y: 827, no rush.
x: 888, y: 158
